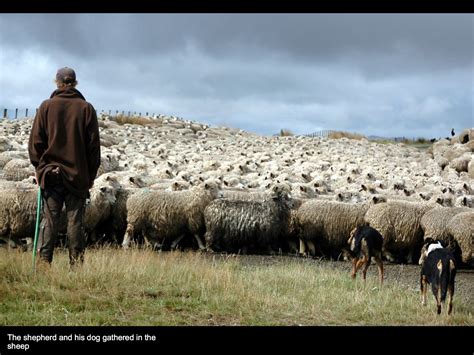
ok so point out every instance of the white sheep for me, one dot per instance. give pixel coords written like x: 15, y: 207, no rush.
x: 399, y: 222
x: 164, y: 218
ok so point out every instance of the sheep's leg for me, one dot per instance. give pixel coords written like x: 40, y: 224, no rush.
x: 302, y: 250
x: 175, y: 242
x: 311, y: 247
x: 199, y: 241
x: 127, y: 237
x: 423, y: 290
x: 379, y: 262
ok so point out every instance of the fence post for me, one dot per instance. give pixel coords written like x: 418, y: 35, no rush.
x: 5, y: 113
x: 128, y: 113
x: 146, y: 114
x: 16, y: 113
x: 26, y: 114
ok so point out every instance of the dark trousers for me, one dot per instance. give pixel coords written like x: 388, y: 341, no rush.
x: 55, y: 195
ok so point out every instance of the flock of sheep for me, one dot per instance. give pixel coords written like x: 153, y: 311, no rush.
x: 180, y: 184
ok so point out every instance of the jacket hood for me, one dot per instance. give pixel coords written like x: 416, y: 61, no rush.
x: 67, y: 92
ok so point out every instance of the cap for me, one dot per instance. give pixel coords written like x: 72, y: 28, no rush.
x: 66, y: 75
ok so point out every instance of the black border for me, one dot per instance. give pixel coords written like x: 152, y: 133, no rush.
x: 332, y: 339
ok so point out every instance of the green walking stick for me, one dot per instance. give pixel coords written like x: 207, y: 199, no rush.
x: 38, y: 213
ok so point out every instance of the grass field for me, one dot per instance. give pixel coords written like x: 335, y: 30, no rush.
x: 141, y: 287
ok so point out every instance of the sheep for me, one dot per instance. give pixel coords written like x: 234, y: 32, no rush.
x: 326, y: 224
x: 233, y: 225
x: 18, y: 169
x: 467, y: 200
x: 17, y: 215
x: 399, y: 222
x: 167, y: 216
x: 461, y: 228
x: 434, y: 222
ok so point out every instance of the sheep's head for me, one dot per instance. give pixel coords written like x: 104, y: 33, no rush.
x: 103, y: 196
x: 212, y: 186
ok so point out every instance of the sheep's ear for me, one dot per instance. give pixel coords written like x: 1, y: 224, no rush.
x: 103, y: 189
x: 206, y: 185
x: 131, y: 179
x: 107, y: 178
x: 175, y: 184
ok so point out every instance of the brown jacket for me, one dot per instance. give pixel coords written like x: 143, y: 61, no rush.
x: 65, y: 134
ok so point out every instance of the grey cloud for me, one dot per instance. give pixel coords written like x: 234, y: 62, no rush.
x: 411, y: 74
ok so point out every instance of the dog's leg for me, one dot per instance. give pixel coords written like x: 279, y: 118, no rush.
x: 379, y: 262
x: 423, y: 290
x: 438, y: 299
x: 359, y: 263
x: 354, y: 263
x: 366, y: 266
x: 450, y: 295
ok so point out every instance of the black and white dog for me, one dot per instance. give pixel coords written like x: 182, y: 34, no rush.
x: 438, y: 268
x: 365, y: 242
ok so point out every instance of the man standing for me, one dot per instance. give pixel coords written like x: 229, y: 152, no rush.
x: 64, y: 148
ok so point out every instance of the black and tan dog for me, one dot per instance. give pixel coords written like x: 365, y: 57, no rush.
x: 438, y: 268
x: 365, y: 242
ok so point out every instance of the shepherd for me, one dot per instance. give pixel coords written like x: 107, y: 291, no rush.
x: 64, y: 148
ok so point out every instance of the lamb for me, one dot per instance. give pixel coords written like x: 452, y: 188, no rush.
x: 399, y: 222
x: 165, y: 217
x: 233, y: 225
x: 461, y: 228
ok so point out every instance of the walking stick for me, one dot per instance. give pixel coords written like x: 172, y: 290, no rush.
x: 38, y: 213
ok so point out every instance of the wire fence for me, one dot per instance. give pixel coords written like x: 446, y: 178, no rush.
x: 17, y: 113
x: 323, y: 133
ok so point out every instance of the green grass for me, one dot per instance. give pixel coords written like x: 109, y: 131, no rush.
x: 140, y: 287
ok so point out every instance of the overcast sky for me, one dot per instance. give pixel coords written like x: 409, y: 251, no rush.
x: 377, y: 74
